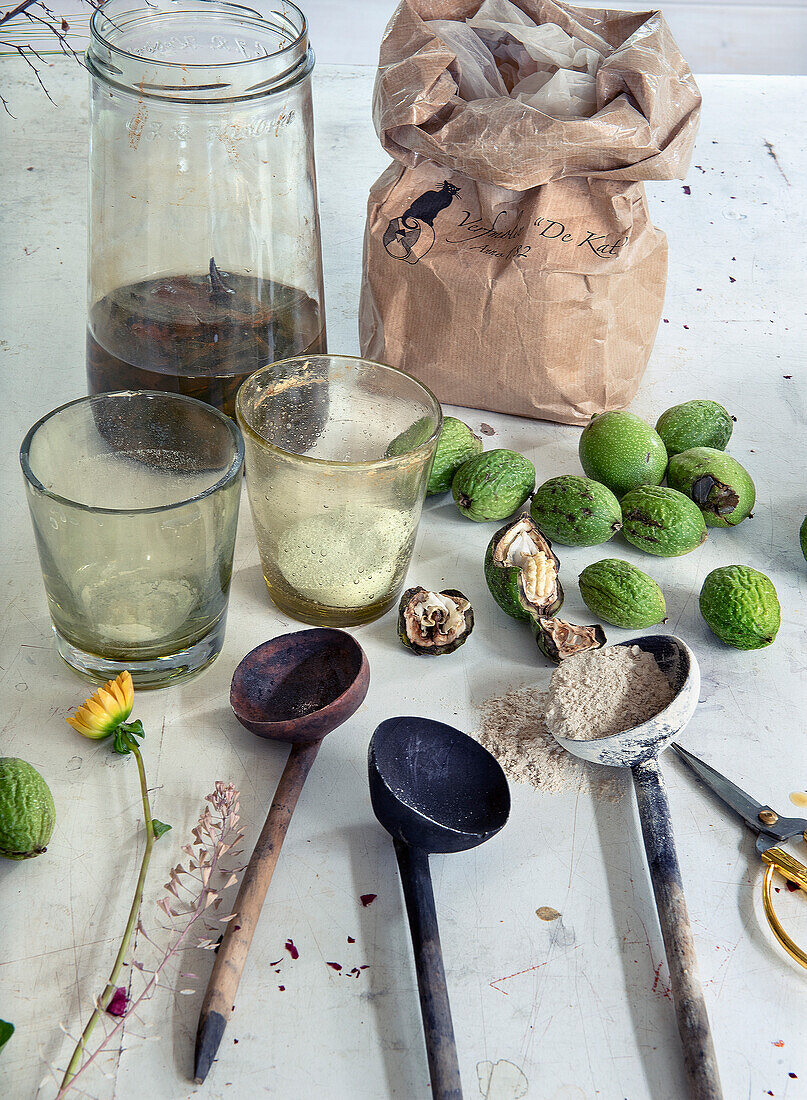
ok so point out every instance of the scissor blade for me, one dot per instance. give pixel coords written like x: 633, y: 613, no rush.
x: 726, y: 791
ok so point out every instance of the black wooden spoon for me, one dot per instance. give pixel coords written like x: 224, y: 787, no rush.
x: 433, y: 789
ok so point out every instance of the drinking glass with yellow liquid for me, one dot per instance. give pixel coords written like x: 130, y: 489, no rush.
x: 134, y: 503
x: 338, y: 454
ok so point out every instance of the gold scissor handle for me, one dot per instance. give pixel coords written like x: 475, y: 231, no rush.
x: 780, y: 860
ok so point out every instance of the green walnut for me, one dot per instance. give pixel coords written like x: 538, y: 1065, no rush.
x: 493, y: 485
x: 434, y: 623
x: 559, y: 640
x: 803, y: 537
x: 411, y: 438
x: 27, y: 813
x: 739, y: 604
x: 457, y: 443
x: 522, y: 572
x: 716, y: 482
x: 695, y: 424
x: 576, y: 511
x: 619, y: 593
x: 662, y: 521
x: 622, y: 451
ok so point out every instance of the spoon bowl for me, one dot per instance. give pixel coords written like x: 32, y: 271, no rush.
x: 299, y: 687
x: 633, y: 746
x: 435, y: 787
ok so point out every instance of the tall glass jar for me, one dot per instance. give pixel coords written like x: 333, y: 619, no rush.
x: 204, y: 243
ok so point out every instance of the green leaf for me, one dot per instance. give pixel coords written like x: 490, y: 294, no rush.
x: 158, y: 828
x: 6, y: 1031
x: 126, y: 735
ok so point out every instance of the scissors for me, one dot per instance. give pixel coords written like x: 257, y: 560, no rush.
x: 770, y: 829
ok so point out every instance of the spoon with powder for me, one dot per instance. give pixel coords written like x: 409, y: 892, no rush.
x: 621, y: 706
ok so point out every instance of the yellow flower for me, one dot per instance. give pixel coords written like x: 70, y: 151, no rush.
x: 104, y: 711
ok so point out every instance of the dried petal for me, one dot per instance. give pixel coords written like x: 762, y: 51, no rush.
x: 118, y: 1002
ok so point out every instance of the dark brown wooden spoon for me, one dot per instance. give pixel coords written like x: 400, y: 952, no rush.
x: 295, y: 688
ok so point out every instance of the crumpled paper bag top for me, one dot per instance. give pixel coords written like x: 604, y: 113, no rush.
x: 500, y: 51
x: 466, y: 120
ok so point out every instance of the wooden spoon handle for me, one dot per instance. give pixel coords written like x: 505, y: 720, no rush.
x: 438, y: 1028
x: 700, y: 1061
x: 219, y: 999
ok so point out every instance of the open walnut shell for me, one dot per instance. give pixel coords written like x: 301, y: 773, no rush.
x: 522, y: 571
x: 434, y: 623
x: 558, y: 639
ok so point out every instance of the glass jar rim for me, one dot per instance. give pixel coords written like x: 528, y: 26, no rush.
x: 232, y: 471
x: 313, y: 460
x: 217, y: 78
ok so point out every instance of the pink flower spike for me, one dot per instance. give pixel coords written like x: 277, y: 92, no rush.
x: 117, y: 1006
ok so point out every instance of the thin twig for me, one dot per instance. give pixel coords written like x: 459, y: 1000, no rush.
x: 57, y: 26
x: 20, y: 8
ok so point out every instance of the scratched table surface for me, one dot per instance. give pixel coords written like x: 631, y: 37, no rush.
x: 574, y: 1008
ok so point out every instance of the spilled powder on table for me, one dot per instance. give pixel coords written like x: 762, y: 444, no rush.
x: 514, y: 730
x: 594, y: 694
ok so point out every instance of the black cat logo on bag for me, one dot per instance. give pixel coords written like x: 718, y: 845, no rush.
x: 412, y: 234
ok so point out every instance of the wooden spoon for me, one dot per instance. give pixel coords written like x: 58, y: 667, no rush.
x: 295, y: 688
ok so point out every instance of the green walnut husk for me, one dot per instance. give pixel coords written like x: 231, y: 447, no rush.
x: 622, y: 451
x: 662, y: 521
x: 6, y: 1031
x: 559, y: 640
x: 493, y: 485
x: 411, y: 438
x: 803, y: 537
x: 434, y: 623
x: 576, y: 511
x: 695, y: 424
x: 619, y: 593
x: 739, y: 604
x: 27, y: 813
x: 457, y: 443
x: 522, y: 572
x: 716, y: 482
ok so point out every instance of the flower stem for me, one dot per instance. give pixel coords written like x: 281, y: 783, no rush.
x: 131, y: 924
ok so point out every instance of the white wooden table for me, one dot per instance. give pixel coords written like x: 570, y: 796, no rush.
x: 578, y: 1005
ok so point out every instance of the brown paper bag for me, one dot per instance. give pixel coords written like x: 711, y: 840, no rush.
x: 509, y: 258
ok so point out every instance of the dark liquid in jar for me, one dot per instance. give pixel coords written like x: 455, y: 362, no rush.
x: 198, y: 335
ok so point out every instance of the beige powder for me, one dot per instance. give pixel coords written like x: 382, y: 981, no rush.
x: 591, y: 695
x: 604, y: 691
x: 515, y: 731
